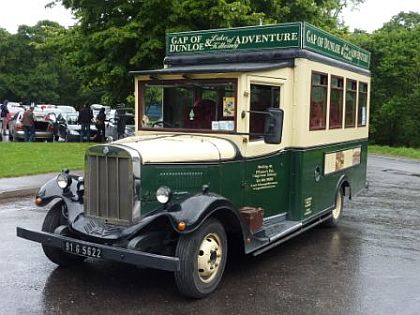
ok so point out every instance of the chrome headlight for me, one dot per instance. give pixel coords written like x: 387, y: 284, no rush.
x: 63, y: 180
x: 163, y: 194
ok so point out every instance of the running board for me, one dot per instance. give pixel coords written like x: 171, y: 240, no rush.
x: 290, y: 233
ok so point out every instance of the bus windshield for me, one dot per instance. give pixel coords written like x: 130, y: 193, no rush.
x: 190, y: 105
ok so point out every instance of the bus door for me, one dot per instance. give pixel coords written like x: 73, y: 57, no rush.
x: 265, y: 165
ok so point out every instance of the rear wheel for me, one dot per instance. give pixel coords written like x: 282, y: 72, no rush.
x: 52, y: 221
x: 337, y: 212
x: 202, y: 257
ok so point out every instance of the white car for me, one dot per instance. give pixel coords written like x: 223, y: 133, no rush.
x: 111, y: 126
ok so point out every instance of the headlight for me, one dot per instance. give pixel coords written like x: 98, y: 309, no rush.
x: 163, y: 194
x: 63, y: 180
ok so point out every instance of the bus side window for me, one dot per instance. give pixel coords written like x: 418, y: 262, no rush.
x: 262, y: 97
x: 361, y: 117
x: 318, y: 110
x: 336, y: 102
x: 350, y: 112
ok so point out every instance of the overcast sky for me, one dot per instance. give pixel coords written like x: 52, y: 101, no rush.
x: 369, y: 16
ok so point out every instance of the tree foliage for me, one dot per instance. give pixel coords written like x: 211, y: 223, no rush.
x: 90, y: 62
x: 122, y: 35
x: 395, y: 98
x: 30, y: 70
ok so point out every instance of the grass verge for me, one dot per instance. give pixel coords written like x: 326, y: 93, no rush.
x: 411, y: 153
x: 19, y: 159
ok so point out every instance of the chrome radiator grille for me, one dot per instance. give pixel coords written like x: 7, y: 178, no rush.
x: 109, y: 187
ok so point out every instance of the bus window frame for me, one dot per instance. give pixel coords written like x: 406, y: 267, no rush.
x: 141, y: 105
x: 324, y: 127
x: 354, y: 112
x: 330, y: 101
x: 366, y: 93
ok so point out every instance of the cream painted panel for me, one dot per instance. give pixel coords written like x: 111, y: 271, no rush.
x: 302, y: 88
x: 180, y: 148
x: 336, y: 161
x: 281, y: 78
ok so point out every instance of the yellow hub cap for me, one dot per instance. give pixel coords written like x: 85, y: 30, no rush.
x: 209, y: 257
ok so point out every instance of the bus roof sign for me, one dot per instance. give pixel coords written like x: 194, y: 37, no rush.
x: 280, y: 36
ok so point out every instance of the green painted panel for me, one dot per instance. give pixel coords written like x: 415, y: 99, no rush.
x: 183, y: 180
x: 277, y: 36
x: 234, y: 39
x: 266, y: 183
x: 314, y: 194
x: 284, y: 182
x: 329, y: 45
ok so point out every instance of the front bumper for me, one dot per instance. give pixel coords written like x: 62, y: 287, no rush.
x: 108, y: 252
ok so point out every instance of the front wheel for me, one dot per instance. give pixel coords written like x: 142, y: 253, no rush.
x: 52, y: 221
x: 202, y: 257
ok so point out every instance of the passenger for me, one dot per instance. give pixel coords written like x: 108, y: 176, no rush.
x: 85, y: 119
x: 4, y: 115
x: 100, y: 125
x: 28, y: 122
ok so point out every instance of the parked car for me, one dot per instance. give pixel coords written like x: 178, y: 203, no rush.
x: 111, y: 126
x: 68, y: 128
x: 97, y: 107
x: 15, y: 107
x: 52, y: 112
x: 43, y: 127
x: 66, y: 109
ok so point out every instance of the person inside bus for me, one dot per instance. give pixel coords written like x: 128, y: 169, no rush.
x: 317, y: 116
x: 200, y: 115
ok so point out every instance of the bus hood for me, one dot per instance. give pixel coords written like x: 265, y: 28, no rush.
x: 180, y: 148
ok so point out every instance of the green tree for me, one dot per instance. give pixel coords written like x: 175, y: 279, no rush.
x: 33, y: 71
x: 122, y: 35
x: 395, y: 66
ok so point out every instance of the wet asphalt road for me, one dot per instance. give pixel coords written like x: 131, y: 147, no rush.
x: 370, y: 264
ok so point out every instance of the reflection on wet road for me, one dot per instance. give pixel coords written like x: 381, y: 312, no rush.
x: 369, y: 265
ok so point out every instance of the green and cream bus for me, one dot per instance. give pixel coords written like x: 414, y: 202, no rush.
x: 260, y: 134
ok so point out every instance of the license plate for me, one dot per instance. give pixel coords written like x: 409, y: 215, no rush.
x: 82, y: 250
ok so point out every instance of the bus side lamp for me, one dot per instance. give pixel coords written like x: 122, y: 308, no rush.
x: 181, y: 226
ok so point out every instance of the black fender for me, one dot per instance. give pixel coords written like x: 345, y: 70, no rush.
x: 48, y: 192
x: 344, y: 184
x: 194, y: 211
x: 51, y: 192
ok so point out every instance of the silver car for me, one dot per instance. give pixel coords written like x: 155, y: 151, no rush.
x: 44, y: 129
x: 111, y: 126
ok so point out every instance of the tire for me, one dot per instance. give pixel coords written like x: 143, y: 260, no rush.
x: 337, y: 212
x: 202, y: 256
x: 53, y: 220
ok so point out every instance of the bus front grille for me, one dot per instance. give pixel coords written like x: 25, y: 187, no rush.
x: 109, y: 188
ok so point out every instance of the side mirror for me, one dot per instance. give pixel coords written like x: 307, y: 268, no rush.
x: 273, y: 127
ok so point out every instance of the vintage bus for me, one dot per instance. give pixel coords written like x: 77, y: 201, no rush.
x: 260, y: 133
